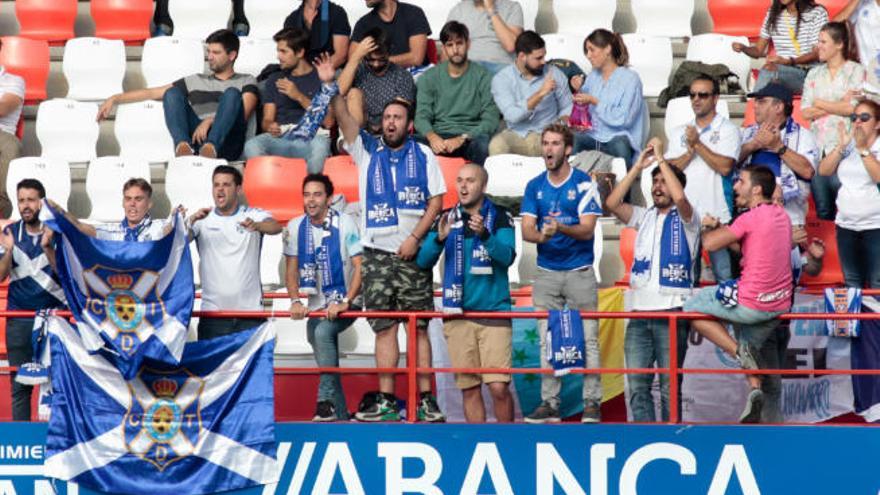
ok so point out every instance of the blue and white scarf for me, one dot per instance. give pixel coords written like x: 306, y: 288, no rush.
x: 453, y: 269
x: 676, y: 262
x: 565, y: 345
x: 36, y: 372
x: 787, y: 179
x: 403, y: 193
x: 322, y: 257
x: 847, y: 301
x: 310, y: 122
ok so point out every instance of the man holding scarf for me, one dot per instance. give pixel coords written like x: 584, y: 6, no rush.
x: 401, y: 190
x: 560, y: 209
x: 323, y: 250
x: 662, y: 274
x: 477, y: 240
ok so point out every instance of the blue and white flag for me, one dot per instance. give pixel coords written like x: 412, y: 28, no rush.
x: 132, y: 299
x: 565, y: 341
x: 847, y: 301
x: 865, y: 355
x: 205, y: 425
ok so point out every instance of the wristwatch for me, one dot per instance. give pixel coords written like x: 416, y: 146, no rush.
x: 345, y: 300
x: 864, y: 153
x: 781, y: 151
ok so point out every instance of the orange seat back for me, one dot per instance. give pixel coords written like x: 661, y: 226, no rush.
x: 450, y: 167
x: 833, y: 6
x: 627, y: 246
x: 29, y: 59
x: 344, y: 174
x: 49, y: 20
x: 274, y: 184
x: 749, y: 117
x: 127, y: 20
x: 738, y: 17
x: 831, y: 274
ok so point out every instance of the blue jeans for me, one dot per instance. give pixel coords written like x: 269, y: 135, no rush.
x: 227, y: 132
x: 20, y: 351
x: 618, y: 146
x: 492, y: 67
x: 314, y: 152
x: 722, y: 267
x: 323, y: 335
x: 475, y: 150
x: 792, y: 77
x: 824, y: 190
x: 646, y: 342
x: 859, y: 257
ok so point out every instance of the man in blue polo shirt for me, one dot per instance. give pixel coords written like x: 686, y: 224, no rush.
x: 33, y: 284
x: 560, y: 209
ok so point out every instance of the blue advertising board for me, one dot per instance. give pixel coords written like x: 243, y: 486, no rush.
x: 525, y: 459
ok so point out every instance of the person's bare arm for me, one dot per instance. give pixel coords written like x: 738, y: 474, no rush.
x: 581, y: 231
x: 9, y: 103
x: 85, y: 228
x: 6, y: 260
x: 340, y: 50
x: 758, y: 50
x: 132, y: 96
x: 530, y: 231
x: 249, y: 102
x: 676, y: 191
x: 716, y: 239
x: 847, y: 11
x: 719, y: 163
x: 505, y: 34
x: 798, y: 164
x: 418, y: 45
x: 356, y: 53
x: 348, y: 126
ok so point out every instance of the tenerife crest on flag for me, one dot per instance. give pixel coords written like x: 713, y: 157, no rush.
x: 132, y: 299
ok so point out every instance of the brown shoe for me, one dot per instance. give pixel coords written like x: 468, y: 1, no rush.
x: 208, y: 151
x: 183, y: 149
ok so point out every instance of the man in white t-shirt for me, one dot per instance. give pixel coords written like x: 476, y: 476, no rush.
x: 229, y: 237
x: 706, y: 149
x: 325, y: 263
x: 401, y: 190
x: 662, y: 274
x: 11, y: 102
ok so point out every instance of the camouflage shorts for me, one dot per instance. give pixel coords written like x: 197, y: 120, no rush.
x: 392, y: 284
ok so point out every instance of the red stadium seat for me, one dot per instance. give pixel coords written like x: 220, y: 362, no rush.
x: 450, y: 167
x: 627, y: 252
x: 49, y: 20
x: 833, y: 6
x: 274, y: 184
x: 831, y: 274
x: 749, y: 117
x: 127, y: 20
x: 344, y: 174
x: 738, y: 17
x: 29, y: 59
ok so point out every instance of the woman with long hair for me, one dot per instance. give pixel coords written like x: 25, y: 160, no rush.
x: 856, y: 161
x: 793, y: 26
x: 830, y: 91
x: 614, y: 94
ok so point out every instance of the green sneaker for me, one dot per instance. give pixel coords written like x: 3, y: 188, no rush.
x: 376, y: 407
x: 428, y: 410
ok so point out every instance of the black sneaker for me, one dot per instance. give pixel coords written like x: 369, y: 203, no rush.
x: 428, y: 410
x: 545, y: 413
x: 592, y: 413
x: 754, y: 404
x: 324, y: 412
x: 376, y: 406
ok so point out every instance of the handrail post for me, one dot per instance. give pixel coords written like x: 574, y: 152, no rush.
x: 673, y: 369
x: 412, y: 362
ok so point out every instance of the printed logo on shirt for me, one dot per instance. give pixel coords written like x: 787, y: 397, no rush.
x: 715, y: 137
x: 767, y: 297
x: 572, y: 194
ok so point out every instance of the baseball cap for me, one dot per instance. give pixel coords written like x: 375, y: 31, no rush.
x: 774, y: 90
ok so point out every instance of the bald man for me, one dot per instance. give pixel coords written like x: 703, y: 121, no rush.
x: 477, y: 238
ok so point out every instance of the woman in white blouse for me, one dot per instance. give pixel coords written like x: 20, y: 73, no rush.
x: 856, y: 160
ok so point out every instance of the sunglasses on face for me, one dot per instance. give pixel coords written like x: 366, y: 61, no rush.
x: 701, y: 95
x: 864, y: 117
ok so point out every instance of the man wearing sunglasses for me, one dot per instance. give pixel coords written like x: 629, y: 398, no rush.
x: 706, y: 150
x: 777, y: 142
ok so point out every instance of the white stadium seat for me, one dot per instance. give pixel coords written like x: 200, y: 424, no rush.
x: 197, y: 19
x: 509, y: 174
x: 598, y: 249
x: 530, y: 13
x: 670, y: 18
x: 104, y: 180
x: 436, y: 12
x: 645, y: 184
x: 94, y: 68
x: 188, y: 182
x: 679, y: 113
x: 254, y: 55
x: 168, y: 58
x: 141, y: 131
x: 365, y: 341
x: 581, y: 17
x: 270, y: 256
x: 355, y: 9
x: 53, y: 173
x: 67, y: 129
x: 618, y: 168
x: 567, y: 46
x: 513, y: 271
x: 711, y: 48
x: 196, y: 262
x: 266, y: 17
x: 651, y: 58
x: 291, y: 336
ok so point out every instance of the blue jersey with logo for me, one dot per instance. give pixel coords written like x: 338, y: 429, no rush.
x: 575, y: 197
x: 33, y: 284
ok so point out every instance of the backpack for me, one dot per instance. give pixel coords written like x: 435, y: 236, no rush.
x: 680, y: 82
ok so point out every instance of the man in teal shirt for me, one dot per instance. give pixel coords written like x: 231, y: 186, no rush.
x: 455, y: 112
x: 477, y: 239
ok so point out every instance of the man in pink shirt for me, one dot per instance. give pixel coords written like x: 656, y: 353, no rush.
x: 763, y: 291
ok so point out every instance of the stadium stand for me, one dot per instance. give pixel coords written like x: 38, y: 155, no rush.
x: 583, y: 16
x: 567, y: 46
x: 29, y: 59
x: 141, y: 132
x: 713, y: 48
x: 254, y: 55
x: 436, y: 13
x: 94, y: 68
x: 53, y: 172
x: 627, y: 244
x: 679, y: 112
x: 104, y: 179
x: 530, y: 13
x: 738, y: 17
x: 167, y: 59
x: 270, y: 259
x: 196, y: 19
x: 509, y: 174
x: 188, y: 181
x: 49, y: 20
x: 670, y: 18
x: 832, y: 273
x: 67, y: 129
x: 127, y: 20
x: 274, y: 183
x: 651, y: 58
x: 450, y: 167
x: 266, y: 17
x: 343, y: 172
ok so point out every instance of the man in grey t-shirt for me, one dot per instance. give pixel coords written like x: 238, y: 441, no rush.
x: 493, y: 26
x: 204, y: 112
